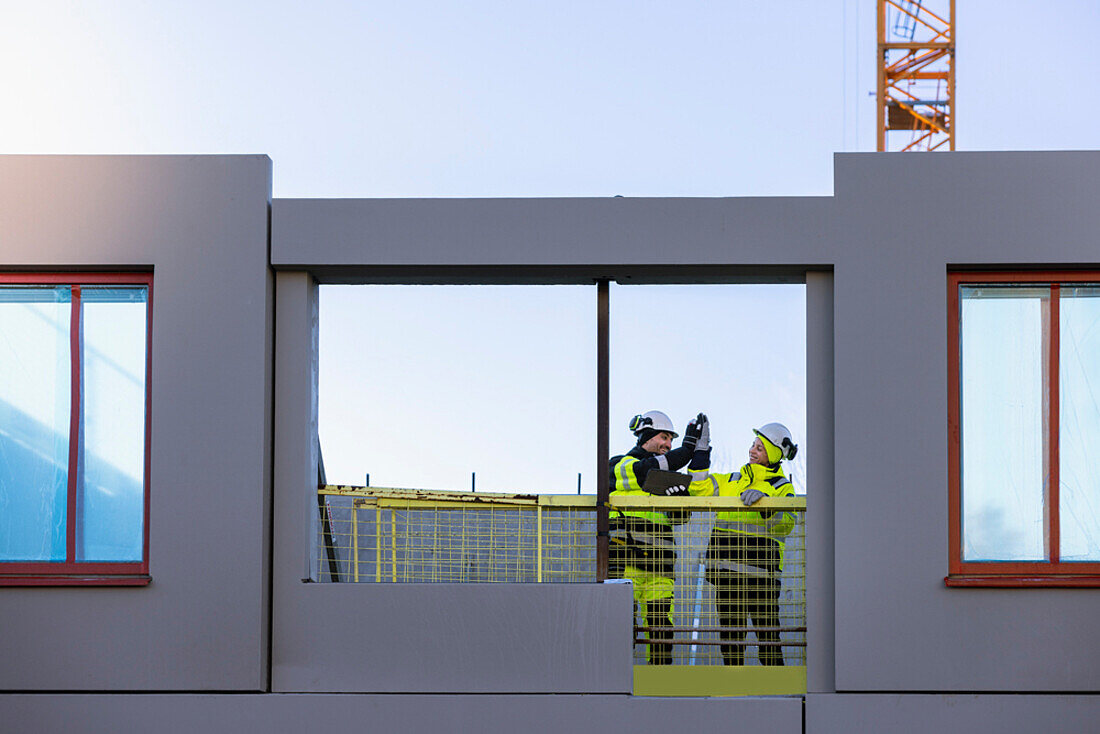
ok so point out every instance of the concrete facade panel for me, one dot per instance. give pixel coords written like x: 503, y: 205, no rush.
x: 898, y: 627
x: 200, y: 223
x: 821, y: 625
x: 551, y: 638
x: 457, y: 638
x: 895, y: 226
x: 613, y: 231
x: 950, y: 713
x: 879, y: 250
x: 411, y: 714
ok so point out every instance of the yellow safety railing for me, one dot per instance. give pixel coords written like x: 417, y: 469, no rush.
x: 718, y: 596
x: 417, y: 536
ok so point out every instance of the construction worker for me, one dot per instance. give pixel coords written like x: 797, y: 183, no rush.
x: 745, y: 556
x: 642, y: 546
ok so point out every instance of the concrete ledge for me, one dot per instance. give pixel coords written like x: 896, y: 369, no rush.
x: 294, y: 713
x: 944, y: 714
x: 456, y: 638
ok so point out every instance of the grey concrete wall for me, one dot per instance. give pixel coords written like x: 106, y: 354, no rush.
x: 898, y: 628
x: 820, y: 570
x: 331, y: 236
x: 548, y: 638
x: 290, y: 713
x: 201, y: 224
x: 950, y: 714
x: 894, y: 227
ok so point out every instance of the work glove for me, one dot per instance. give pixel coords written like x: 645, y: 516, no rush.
x: 694, y: 431
x: 752, y: 496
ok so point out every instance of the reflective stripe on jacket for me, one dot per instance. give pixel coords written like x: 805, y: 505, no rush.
x: 641, y: 543
x: 640, y: 538
x: 750, y: 541
x: 626, y: 484
x: 773, y: 483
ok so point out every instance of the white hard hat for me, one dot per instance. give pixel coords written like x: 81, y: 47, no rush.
x: 778, y: 435
x: 654, y: 420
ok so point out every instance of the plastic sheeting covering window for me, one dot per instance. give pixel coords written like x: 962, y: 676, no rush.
x: 1003, y: 441
x: 113, y: 417
x: 49, y: 512
x: 34, y: 421
x: 1079, y: 424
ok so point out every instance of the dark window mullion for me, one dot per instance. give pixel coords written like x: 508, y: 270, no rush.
x: 603, y: 483
x: 954, y: 424
x: 148, y: 421
x: 74, y: 425
x: 1054, y: 478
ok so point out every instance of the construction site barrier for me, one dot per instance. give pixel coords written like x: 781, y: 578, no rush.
x: 725, y: 609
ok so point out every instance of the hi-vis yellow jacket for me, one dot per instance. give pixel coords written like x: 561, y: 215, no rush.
x: 643, y: 538
x: 771, y: 481
x: 747, y: 541
x: 625, y: 483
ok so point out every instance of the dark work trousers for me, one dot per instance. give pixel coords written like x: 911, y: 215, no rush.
x: 742, y: 593
x: 740, y: 597
x: 658, y: 617
x: 647, y: 561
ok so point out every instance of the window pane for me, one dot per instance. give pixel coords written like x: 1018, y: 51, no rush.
x: 734, y: 352
x: 1002, y: 405
x: 112, y: 496
x: 422, y: 386
x: 1079, y: 425
x: 34, y: 422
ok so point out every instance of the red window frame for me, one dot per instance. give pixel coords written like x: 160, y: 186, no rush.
x: 1052, y: 572
x: 71, y: 572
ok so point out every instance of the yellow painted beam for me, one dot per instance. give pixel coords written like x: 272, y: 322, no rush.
x: 719, y: 680
x: 411, y: 498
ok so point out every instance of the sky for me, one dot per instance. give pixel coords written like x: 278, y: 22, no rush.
x: 499, y: 98
x: 506, y: 98
x: 423, y: 386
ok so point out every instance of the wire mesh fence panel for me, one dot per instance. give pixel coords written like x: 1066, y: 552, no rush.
x: 717, y: 584
x: 569, y: 544
x: 409, y: 536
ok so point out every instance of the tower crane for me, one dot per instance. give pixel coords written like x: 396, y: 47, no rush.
x: 916, y: 75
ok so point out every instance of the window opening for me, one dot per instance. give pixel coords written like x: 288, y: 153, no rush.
x: 74, y: 429
x: 1025, y: 489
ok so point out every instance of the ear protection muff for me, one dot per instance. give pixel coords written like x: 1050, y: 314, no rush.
x: 788, y: 448
x: 638, y: 422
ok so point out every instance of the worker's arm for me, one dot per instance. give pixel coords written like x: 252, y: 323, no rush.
x: 703, y: 483
x: 697, y: 436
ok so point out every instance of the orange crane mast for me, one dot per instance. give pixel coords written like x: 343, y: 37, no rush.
x: 916, y: 75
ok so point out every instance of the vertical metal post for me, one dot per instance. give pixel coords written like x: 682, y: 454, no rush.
x: 377, y: 544
x: 393, y: 543
x: 326, y: 538
x: 603, y: 489
x: 473, y: 481
x: 541, y: 540
x: 578, y: 482
x: 355, y: 540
